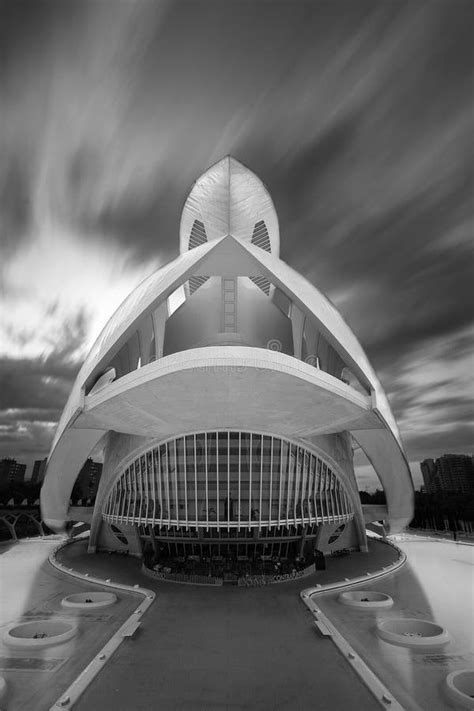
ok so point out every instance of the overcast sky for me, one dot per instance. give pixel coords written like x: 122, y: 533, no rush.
x: 357, y: 115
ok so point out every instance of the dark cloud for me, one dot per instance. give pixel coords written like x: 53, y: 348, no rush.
x: 36, y: 383
x: 33, y: 391
x: 431, y: 444
x: 33, y: 394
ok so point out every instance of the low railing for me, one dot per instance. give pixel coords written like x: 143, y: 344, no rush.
x: 247, y: 581
x: 251, y: 581
x: 182, y: 577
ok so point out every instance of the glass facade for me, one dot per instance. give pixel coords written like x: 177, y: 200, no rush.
x: 228, y: 480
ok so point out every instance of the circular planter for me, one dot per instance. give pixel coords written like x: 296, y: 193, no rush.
x: 460, y: 687
x: 412, y: 633
x: 39, y: 633
x: 89, y: 600
x: 364, y: 599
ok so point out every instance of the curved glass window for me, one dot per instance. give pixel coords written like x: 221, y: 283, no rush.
x: 228, y: 479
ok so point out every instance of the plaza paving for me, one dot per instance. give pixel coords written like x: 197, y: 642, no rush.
x: 228, y: 647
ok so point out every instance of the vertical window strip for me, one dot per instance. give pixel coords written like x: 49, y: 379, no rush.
x: 271, y: 483
x: 304, y: 467
x: 119, y: 499
x: 116, y: 504
x: 250, y: 478
x: 137, y: 507
x: 325, y: 479
x: 314, y: 485
x: 306, y: 482
x: 340, y: 498
x: 166, y: 474
x: 320, y: 490
x: 141, y: 486
x: 336, y: 499
x: 131, y: 508
x: 261, y: 483
x: 327, y: 493
x: 344, y: 501
x: 176, y: 504
x: 124, y: 497
x: 217, y: 481
x: 185, y: 478
x: 331, y: 495
x: 304, y: 487
x: 280, y: 486
x: 133, y: 493
x: 112, y: 499
x: 334, y: 494
x: 196, y: 511
x: 153, y: 487
x: 126, y: 494
x: 148, y: 458
x: 314, y: 461
x: 228, y: 481
x: 141, y: 483
x: 206, y: 478
x: 348, y: 503
x: 144, y: 484
x: 297, y: 482
x: 288, y: 449
x: 239, y: 510
x: 294, y: 495
x: 159, y: 482
x: 115, y: 500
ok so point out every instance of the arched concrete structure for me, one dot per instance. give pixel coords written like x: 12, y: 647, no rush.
x: 233, y: 381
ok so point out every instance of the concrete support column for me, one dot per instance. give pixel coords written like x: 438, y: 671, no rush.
x: 297, y: 323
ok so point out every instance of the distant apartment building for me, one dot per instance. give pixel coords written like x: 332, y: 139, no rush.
x: 449, y: 473
x: 11, y: 472
x: 88, y: 480
x: 428, y: 471
x: 39, y: 469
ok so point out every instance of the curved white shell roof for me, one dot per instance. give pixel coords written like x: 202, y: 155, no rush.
x: 228, y: 199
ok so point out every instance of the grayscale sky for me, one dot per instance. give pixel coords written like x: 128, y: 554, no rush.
x: 357, y: 115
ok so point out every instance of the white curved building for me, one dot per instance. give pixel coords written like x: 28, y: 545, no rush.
x: 229, y: 394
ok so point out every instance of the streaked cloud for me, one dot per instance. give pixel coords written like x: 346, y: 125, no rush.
x: 357, y: 116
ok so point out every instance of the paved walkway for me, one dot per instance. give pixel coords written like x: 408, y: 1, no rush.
x: 227, y: 648
x: 30, y: 588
